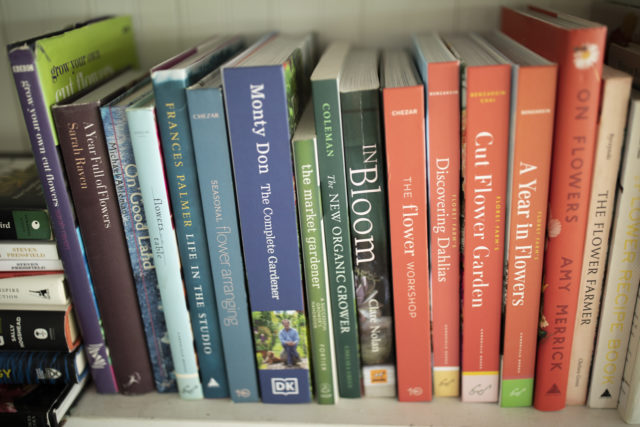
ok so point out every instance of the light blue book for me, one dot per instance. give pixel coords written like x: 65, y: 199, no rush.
x: 134, y: 222
x: 211, y: 148
x: 148, y: 155
x: 169, y: 84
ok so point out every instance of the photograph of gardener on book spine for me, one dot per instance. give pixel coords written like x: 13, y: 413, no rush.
x: 281, y: 339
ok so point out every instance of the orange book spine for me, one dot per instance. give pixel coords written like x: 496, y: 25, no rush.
x: 443, y: 145
x: 485, y: 148
x: 530, y: 165
x: 578, y: 53
x: 404, y: 124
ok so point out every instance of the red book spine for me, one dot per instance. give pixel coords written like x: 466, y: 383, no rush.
x: 443, y: 145
x: 578, y: 53
x: 406, y: 174
x: 485, y: 147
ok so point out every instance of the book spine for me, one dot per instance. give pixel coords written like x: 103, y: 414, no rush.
x: 621, y: 278
x: 213, y: 158
x: 136, y: 231
x: 257, y: 114
x: 25, y: 224
x: 147, y: 151
x: 578, y: 97
x: 629, y: 400
x: 44, y: 290
x: 485, y: 142
x: 180, y: 167
x: 533, y: 103
x: 39, y: 367
x: 407, y: 184
x: 615, y: 101
x: 364, y: 159
x: 27, y: 251
x: 31, y: 265
x: 91, y: 183
x: 333, y: 187
x: 62, y: 217
x: 315, y: 269
x: 443, y: 155
x: 37, y: 330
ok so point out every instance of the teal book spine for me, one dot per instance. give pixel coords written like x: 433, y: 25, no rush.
x: 315, y: 266
x: 148, y: 155
x: 333, y: 184
x: 211, y: 148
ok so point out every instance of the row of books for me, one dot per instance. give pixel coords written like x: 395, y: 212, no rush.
x: 231, y: 181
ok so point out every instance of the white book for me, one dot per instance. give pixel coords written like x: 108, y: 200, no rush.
x: 39, y: 290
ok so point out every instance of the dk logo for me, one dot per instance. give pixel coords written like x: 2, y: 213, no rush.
x: 284, y: 386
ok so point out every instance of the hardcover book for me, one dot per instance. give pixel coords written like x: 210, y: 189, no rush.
x: 325, y: 86
x: 533, y: 96
x: 404, y: 129
x: 314, y: 258
x: 365, y: 167
x: 49, y: 69
x: 44, y: 289
x: 169, y: 85
x: 616, y: 90
x: 622, y: 274
x: 213, y: 158
x: 265, y: 89
x: 577, y: 46
x: 42, y: 367
x: 136, y: 231
x: 147, y: 150
x: 84, y: 150
x: 440, y: 72
x: 486, y: 79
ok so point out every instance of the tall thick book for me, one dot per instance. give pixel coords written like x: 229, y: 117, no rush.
x: 577, y: 46
x: 622, y: 275
x: 36, y: 328
x: 440, y: 72
x: 84, y: 150
x: 42, y: 367
x: 169, y: 85
x: 533, y: 97
x: 43, y: 289
x: 145, y: 142
x: 79, y: 56
x: 365, y: 167
x: 136, y: 231
x: 265, y: 89
x: 616, y: 89
x: 405, y: 149
x: 213, y: 157
x: 486, y: 78
x: 28, y: 250
x: 305, y: 155
x: 23, y: 214
x: 38, y: 405
x: 325, y: 87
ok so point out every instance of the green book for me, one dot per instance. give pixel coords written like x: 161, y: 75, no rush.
x: 325, y: 82
x: 314, y: 258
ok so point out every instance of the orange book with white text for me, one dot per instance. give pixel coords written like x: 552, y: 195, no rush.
x: 404, y: 126
x: 485, y: 139
x: 577, y: 46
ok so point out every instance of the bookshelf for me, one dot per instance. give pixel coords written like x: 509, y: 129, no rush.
x: 164, y: 27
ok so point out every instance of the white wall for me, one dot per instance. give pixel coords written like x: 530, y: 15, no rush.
x: 164, y: 27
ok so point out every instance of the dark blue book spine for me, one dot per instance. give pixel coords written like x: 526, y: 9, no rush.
x: 40, y: 367
x: 173, y: 122
x: 50, y: 169
x: 134, y: 222
x: 258, y: 117
x: 211, y: 146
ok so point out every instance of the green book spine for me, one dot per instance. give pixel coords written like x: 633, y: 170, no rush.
x: 364, y: 158
x: 315, y: 268
x: 333, y: 184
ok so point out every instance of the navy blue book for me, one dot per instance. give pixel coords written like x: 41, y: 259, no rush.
x: 213, y: 157
x: 265, y: 90
x: 136, y: 231
x: 42, y: 367
x: 169, y: 86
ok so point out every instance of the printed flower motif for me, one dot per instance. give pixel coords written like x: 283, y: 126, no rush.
x: 554, y: 228
x: 585, y: 56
